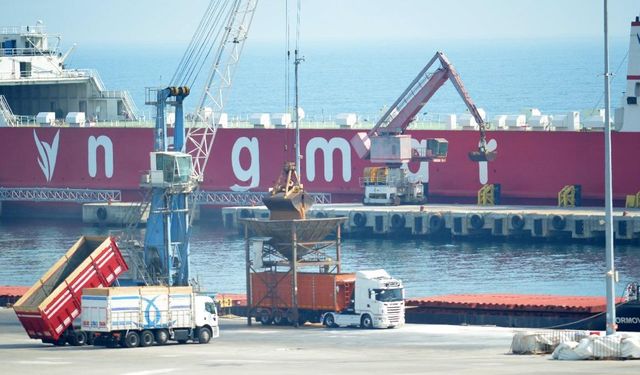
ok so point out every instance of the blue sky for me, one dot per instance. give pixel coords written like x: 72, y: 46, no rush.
x: 162, y: 21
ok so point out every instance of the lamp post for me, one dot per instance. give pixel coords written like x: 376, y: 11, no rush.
x: 608, y: 200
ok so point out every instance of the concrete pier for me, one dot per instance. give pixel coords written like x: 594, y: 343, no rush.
x: 508, y: 222
x: 110, y: 214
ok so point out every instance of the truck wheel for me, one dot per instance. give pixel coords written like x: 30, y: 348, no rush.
x: 78, y: 338
x: 278, y: 318
x: 132, y: 339
x: 60, y: 342
x: 146, y: 338
x: 162, y: 336
x: 204, y: 335
x: 265, y: 317
x: 329, y: 321
x: 366, y: 321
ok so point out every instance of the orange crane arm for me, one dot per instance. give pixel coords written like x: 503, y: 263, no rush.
x: 400, y: 115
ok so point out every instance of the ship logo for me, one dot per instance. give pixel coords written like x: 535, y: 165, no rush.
x: 483, y: 166
x: 48, y: 154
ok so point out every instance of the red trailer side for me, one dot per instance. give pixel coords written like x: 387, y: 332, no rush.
x: 53, y: 302
x: 316, y: 291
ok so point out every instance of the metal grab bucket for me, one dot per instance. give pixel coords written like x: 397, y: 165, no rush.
x: 288, y: 207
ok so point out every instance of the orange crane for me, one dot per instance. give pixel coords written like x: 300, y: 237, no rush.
x: 386, y: 143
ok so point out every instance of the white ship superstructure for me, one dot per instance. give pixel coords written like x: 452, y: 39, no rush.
x: 34, y: 79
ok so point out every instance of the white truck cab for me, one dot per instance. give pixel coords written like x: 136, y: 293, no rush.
x: 378, y: 303
x: 206, y: 314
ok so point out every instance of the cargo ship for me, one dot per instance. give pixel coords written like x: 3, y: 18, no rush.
x: 537, y: 154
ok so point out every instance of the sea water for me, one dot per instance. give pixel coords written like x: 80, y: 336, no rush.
x: 29, y: 248
x: 502, y: 76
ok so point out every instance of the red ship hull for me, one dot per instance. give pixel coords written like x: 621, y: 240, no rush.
x: 531, y: 166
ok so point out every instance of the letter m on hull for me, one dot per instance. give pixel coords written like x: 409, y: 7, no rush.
x: 328, y: 149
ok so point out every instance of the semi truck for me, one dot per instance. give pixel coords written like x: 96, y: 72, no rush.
x: 48, y: 309
x: 366, y: 299
x: 142, y: 316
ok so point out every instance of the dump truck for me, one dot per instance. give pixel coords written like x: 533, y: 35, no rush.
x: 48, y: 309
x: 366, y: 299
x: 142, y: 316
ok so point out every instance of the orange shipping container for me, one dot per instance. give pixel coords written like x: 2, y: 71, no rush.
x: 316, y: 291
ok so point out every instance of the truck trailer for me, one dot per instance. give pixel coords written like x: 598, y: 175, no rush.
x: 140, y: 316
x: 367, y: 299
x: 49, y: 307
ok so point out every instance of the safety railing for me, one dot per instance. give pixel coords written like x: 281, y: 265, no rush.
x: 38, y: 29
x: 245, y: 198
x: 59, y: 195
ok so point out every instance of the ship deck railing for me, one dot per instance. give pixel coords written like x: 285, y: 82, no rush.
x: 38, y: 29
x: 26, y: 52
x: 49, y: 75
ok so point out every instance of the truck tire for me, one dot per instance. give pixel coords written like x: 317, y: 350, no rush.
x: 146, y: 338
x: 204, y: 335
x: 279, y: 318
x: 265, y: 317
x: 77, y: 338
x: 60, y: 341
x: 329, y: 321
x: 366, y: 321
x: 162, y: 336
x: 131, y: 339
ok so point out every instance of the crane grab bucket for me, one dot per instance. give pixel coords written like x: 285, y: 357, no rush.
x: 287, y: 199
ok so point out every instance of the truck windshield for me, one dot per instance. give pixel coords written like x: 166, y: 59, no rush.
x: 388, y: 295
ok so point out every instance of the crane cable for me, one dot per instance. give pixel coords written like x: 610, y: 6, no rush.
x: 207, y: 36
x: 287, y: 60
x: 191, y: 44
x: 204, y: 48
x: 613, y: 77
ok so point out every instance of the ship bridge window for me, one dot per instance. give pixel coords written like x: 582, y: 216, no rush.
x: 637, y: 90
x: 25, y: 69
x: 8, y: 47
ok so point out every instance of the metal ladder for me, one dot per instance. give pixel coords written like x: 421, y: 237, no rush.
x: 6, y: 113
x: 132, y: 245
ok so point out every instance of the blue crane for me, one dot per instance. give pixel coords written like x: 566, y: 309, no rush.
x: 166, y: 246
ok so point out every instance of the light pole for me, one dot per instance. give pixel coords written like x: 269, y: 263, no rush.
x: 608, y: 200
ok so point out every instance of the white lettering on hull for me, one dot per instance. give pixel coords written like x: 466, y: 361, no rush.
x: 48, y: 154
x: 327, y: 148
x: 92, y: 155
x: 628, y: 320
x: 483, y: 166
x: 252, y: 173
x: 422, y: 174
